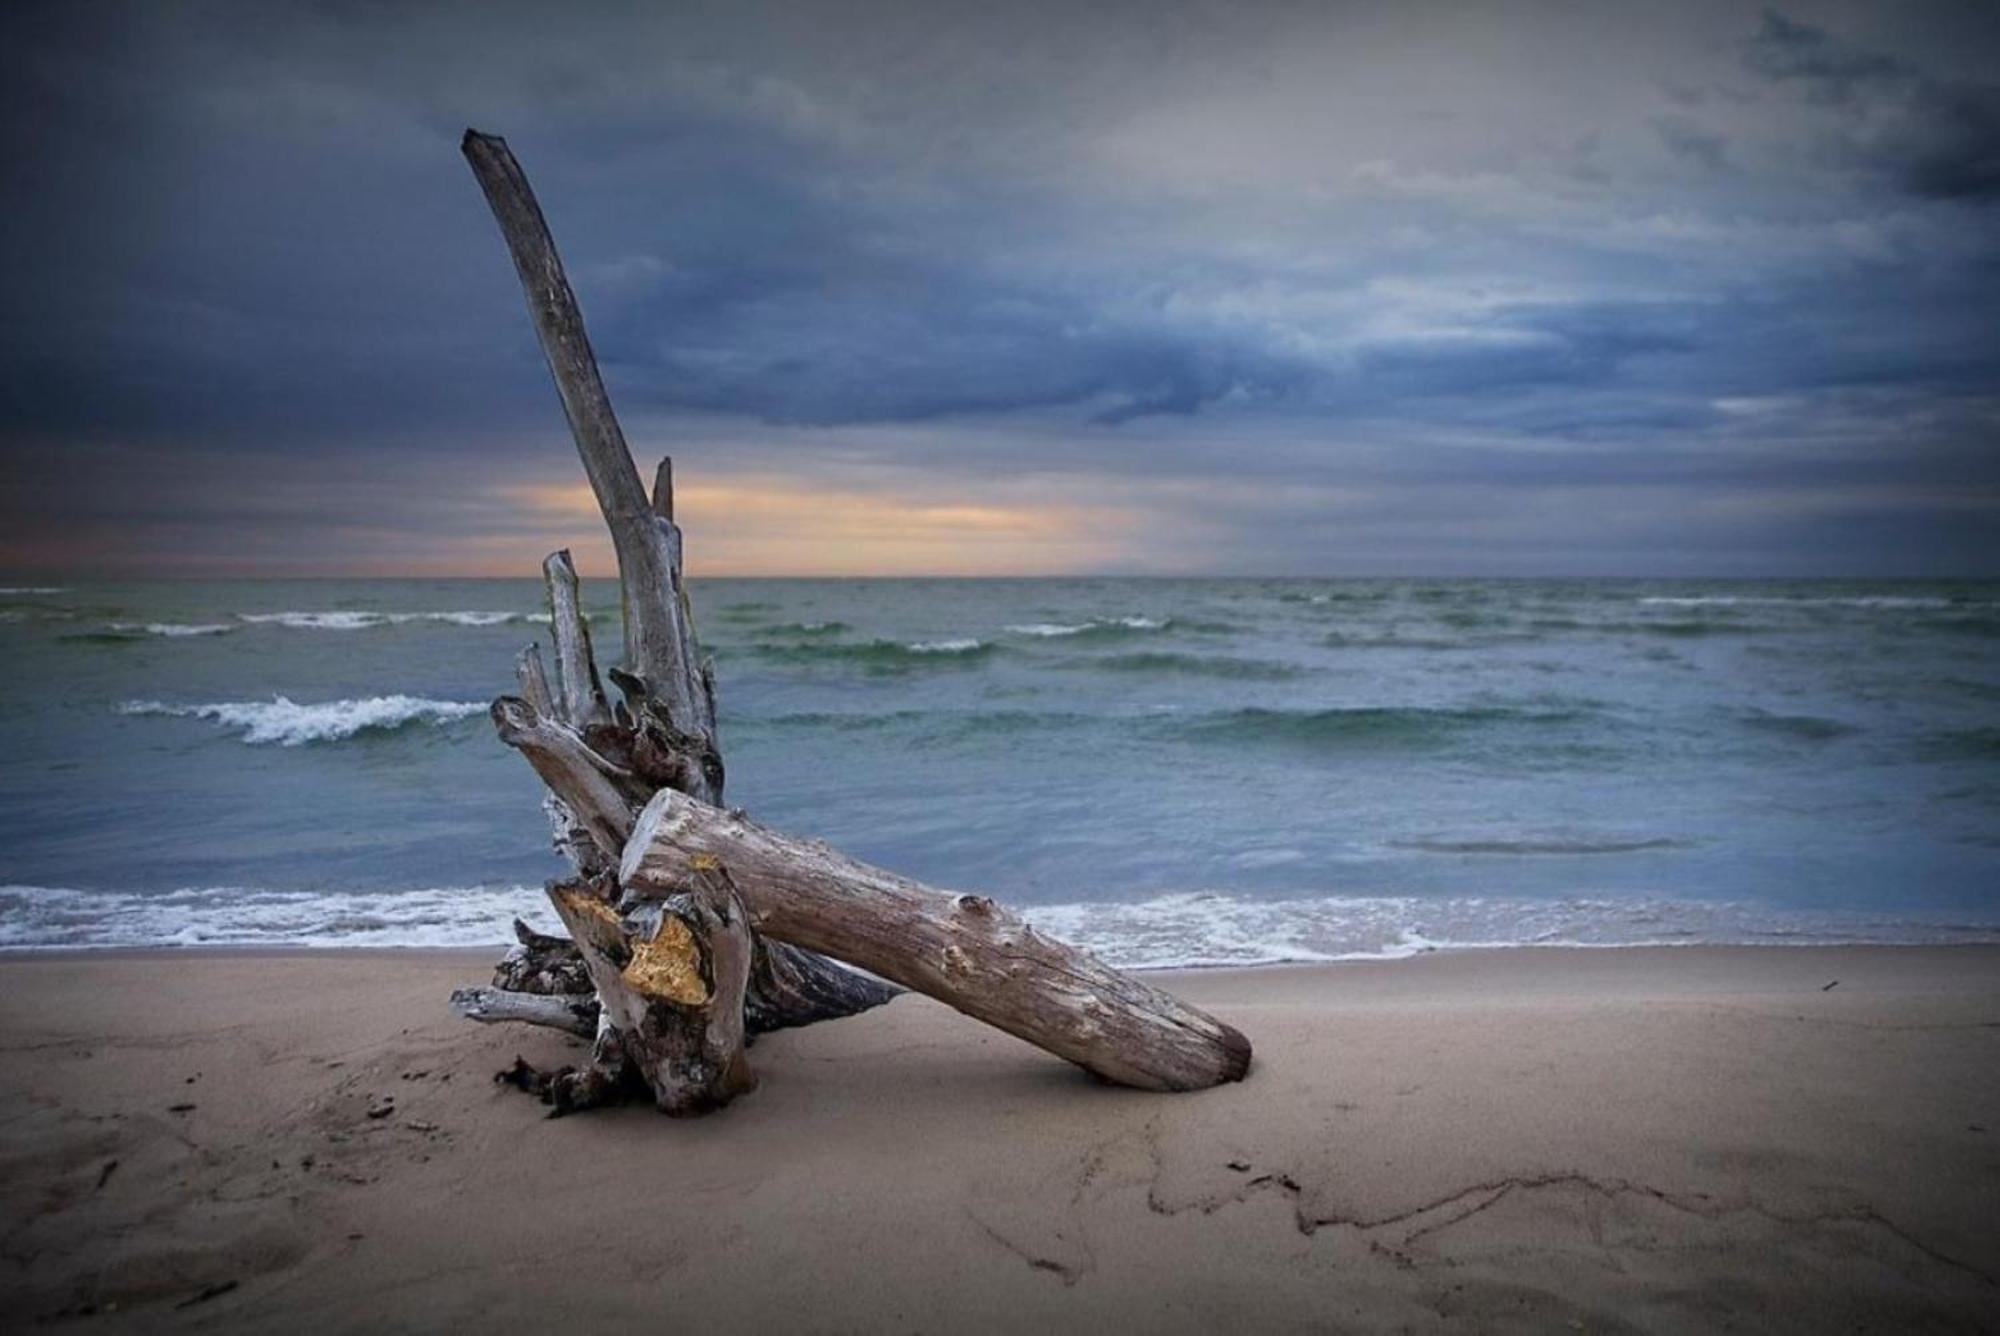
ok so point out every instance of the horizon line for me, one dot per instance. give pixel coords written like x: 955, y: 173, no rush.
x: 25, y: 578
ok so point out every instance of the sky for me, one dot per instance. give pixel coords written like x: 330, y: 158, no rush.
x: 1697, y: 289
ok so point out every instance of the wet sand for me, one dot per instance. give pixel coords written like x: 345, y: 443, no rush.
x: 1691, y: 1139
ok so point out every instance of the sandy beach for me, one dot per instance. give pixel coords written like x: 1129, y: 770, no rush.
x: 1643, y: 1139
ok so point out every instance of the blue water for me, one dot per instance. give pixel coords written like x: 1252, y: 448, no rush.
x: 1173, y: 770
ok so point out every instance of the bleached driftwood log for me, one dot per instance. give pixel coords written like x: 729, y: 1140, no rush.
x: 961, y: 949
x: 575, y: 1013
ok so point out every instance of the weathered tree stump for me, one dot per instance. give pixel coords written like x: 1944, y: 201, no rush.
x: 602, y: 763
x: 691, y: 928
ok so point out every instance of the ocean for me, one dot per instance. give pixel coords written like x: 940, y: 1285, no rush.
x: 1173, y: 772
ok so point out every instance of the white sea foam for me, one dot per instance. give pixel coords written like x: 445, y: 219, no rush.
x: 945, y: 646
x: 1051, y: 629
x: 315, y: 621
x: 13, y: 591
x: 48, y: 916
x: 1777, y: 600
x: 174, y: 630
x: 1203, y: 929
x: 289, y: 724
x: 1180, y: 931
x: 463, y: 618
x: 362, y: 621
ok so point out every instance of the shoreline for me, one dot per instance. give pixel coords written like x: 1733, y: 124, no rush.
x: 1663, y: 1138
x: 486, y: 954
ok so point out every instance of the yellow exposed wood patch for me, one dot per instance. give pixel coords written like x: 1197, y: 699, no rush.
x: 583, y: 902
x: 669, y: 966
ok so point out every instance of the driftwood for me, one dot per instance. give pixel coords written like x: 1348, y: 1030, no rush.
x: 961, y: 949
x: 692, y: 929
x: 671, y: 985
x: 575, y: 1013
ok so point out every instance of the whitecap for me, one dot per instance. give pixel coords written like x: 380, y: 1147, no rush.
x: 314, y: 621
x: 175, y: 630
x: 287, y: 723
x: 461, y: 618
x: 1799, y: 601
x: 963, y: 646
x: 1051, y: 629
x: 362, y: 621
x: 13, y: 591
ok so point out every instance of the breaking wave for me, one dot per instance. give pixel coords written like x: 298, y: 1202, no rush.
x: 876, y: 656
x: 172, y: 630
x: 287, y: 723
x: 1203, y: 929
x: 52, y: 916
x: 363, y: 621
x: 807, y: 629
x: 1098, y: 628
x: 1182, y: 930
x: 1797, y: 601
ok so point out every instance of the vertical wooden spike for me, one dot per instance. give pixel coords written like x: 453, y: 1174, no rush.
x: 579, y: 691
x: 533, y: 677
x: 654, y: 636
x: 663, y: 489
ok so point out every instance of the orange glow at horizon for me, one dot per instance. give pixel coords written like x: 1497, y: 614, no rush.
x: 758, y: 525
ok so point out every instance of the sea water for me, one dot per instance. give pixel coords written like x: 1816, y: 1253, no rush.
x: 1172, y: 771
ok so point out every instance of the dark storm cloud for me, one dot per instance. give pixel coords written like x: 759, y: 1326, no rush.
x: 1735, y: 267
x: 1937, y: 137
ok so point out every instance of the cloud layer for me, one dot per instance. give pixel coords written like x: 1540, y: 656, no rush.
x: 1248, y: 288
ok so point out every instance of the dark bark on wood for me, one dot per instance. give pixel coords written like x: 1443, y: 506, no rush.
x: 541, y: 964
x: 790, y: 986
x: 549, y: 986
x: 963, y: 950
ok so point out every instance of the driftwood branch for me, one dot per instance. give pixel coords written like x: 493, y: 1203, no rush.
x: 579, y: 692
x: 593, y: 789
x: 963, y: 950
x: 575, y: 1013
x: 657, y: 644
x: 533, y: 679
